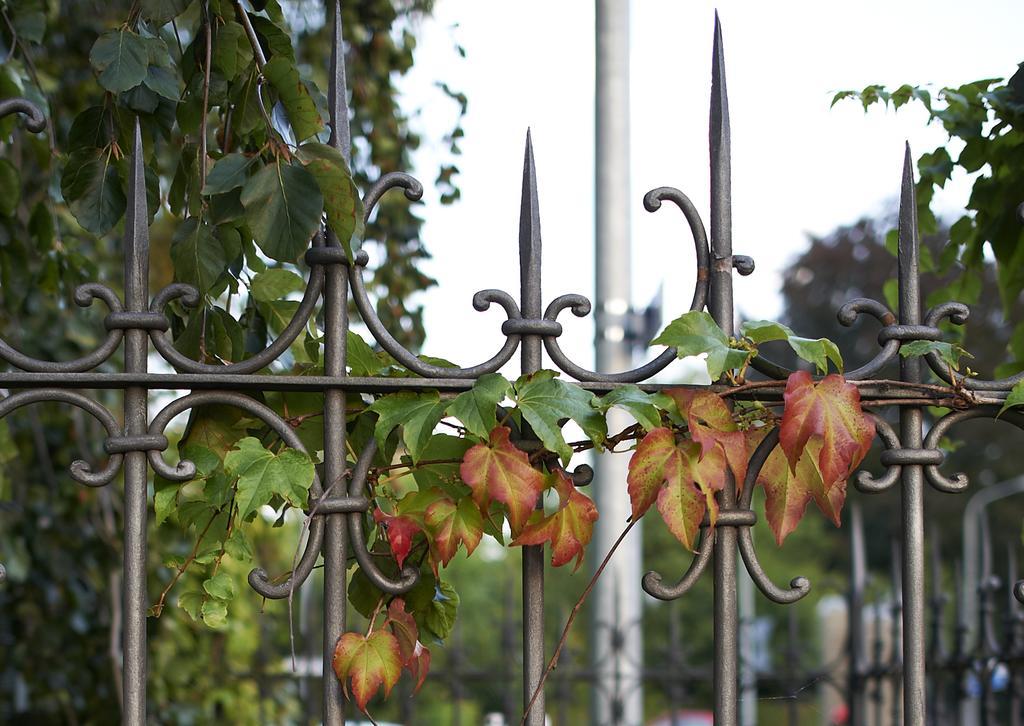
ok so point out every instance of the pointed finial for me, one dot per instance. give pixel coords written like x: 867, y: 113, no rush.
x: 337, y: 92
x: 529, y: 237
x: 719, y: 98
x: 720, y: 303
x: 908, y: 248
x: 136, y: 231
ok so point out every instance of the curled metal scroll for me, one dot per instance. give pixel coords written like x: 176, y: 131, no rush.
x: 798, y: 586
x: 581, y: 306
x: 867, y: 482
x: 189, y: 296
x: 81, y: 471
x: 847, y: 315
x: 84, y: 296
x: 957, y: 313
x: 259, y: 580
x: 958, y: 482
x: 35, y: 121
x: 357, y: 486
x: 481, y: 300
x: 652, y: 582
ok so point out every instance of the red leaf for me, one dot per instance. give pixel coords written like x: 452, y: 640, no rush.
x: 831, y: 410
x: 400, y: 531
x: 711, y: 424
x: 500, y: 471
x: 415, y: 656
x: 404, y: 628
x: 787, y: 491
x: 656, y: 453
x: 689, y: 491
x: 368, y: 662
x: 419, y: 665
x: 679, y: 479
x: 568, y: 530
x: 451, y: 524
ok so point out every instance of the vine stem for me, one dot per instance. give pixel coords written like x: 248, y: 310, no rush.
x: 572, y: 617
x: 208, y: 32
x: 159, y: 607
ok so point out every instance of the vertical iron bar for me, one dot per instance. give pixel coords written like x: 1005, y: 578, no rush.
x: 136, y: 298
x: 912, y: 474
x: 533, y: 555
x: 335, y: 339
x: 720, y: 307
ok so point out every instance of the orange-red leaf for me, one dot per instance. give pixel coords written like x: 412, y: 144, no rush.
x: 831, y: 410
x: 711, y: 424
x: 787, y: 491
x: 498, y: 470
x: 400, y: 531
x: 568, y: 530
x: 655, y: 456
x: 451, y: 524
x: 689, y: 492
x: 367, y: 662
x: 681, y: 480
x: 415, y: 656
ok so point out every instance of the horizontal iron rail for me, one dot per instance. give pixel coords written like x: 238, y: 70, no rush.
x: 769, y: 390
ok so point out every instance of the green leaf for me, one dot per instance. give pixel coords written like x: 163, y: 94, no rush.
x: 237, y: 546
x: 220, y: 586
x: 165, y: 499
x: 121, y: 58
x: 262, y: 475
x: 198, y: 256
x: 192, y: 603
x: 160, y: 12
x: 10, y: 188
x: 215, y: 613
x: 696, y: 332
x: 544, y: 400
x: 1015, y: 398
x: 283, y: 206
x: 477, y: 407
x: 164, y: 82
x: 92, y: 187
x: 292, y: 92
x: 230, y: 172
x: 362, y: 359
x: 763, y: 331
x: 950, y: 353
x: 640, y: 405
x: 417, y: 413
x: 231, y: 50
x: 446, y: 477
x: 275, y: 284
x: 341, y: 198
x: 818, y: 351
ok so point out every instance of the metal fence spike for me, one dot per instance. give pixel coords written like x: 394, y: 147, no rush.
x: 720, y: 304
x: 908, y: 249
x: 337, y: 91
x: 529, y: 237
x: 136, y: 229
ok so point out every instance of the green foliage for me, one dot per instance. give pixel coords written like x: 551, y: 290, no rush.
x: 986, y: 117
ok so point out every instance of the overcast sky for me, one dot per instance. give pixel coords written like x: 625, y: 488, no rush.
x: 798, y: 167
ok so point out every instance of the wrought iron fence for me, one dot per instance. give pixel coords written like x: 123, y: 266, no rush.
x: 337, y: 502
